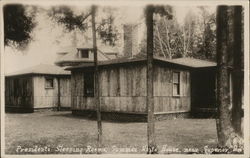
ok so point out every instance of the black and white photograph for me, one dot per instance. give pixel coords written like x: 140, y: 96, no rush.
x: 125, y: 78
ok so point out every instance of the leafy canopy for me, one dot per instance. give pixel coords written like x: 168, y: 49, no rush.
x: 66, y: 16
x: 18, y: 25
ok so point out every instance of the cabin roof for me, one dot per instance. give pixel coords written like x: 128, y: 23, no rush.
x: 71, y: 55
x: 186, y: 62
x: 190, y: 62
x: 41, y: 69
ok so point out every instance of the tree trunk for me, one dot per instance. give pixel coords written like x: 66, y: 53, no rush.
x: 229, y: 62
x: 238, y: 73
x: 184, y: 42
x: 96, y: 76
x: 152, y: 148
x: 224, y: 127
x: 58, y: 95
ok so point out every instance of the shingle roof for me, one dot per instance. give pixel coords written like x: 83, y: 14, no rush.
x: 72, y: 56
x: 187, y: 62
x: 41, y: 69
x: 190, y: 62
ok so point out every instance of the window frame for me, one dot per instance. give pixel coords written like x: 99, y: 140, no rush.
x: 176, y: 84
x: 80, y: 51
x: 46, y: 85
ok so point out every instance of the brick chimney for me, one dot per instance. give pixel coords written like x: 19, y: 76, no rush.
x: 130, y: 40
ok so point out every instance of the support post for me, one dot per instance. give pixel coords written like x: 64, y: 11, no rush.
x: 152, y: 148
x: 96, y: 83
x: 58, y: 95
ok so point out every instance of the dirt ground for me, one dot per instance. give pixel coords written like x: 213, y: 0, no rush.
x: 62, y: 133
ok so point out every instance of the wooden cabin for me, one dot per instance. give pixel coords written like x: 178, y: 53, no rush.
x: 122, y: 87
x: 38, y: 87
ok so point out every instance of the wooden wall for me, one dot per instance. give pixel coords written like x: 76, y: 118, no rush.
x: 48, y: 97
x: 19, y: 92
x: 123, y: 89
x: 65, y: 91
x: 44, y: 97
x: 120, y: 89
x: 164, y: 100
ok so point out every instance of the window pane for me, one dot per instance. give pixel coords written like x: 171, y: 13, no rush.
x: 176, y: 83
x: 84, y: 53
x: 49, y: 83
x: 176, y: 77
x: 89, y: 84
x: 176, y: 89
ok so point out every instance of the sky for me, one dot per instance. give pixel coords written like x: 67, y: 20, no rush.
x: 48, y: 37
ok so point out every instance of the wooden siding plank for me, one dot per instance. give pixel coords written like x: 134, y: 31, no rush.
x: 122, y: 82
x: 130, y: 83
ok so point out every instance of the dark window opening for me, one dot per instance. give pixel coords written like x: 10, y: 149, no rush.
x: 49, y: 83
x: 89, y: 84
x: 84, y: 53
x: 16, y: 87
x: 176, y: 83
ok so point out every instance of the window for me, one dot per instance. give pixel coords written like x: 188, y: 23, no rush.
x: 176, y: 83
x: 16, y: 87
x: 49, y: 83
x: 83, y: 53
x: 89, y: 84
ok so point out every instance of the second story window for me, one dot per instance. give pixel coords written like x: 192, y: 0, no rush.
x: 83, y: 53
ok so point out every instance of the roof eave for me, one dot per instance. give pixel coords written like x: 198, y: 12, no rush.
x: 34, y: 73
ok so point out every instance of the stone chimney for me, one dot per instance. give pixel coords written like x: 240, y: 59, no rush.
x: 130, y: 40
x: 74, y: 39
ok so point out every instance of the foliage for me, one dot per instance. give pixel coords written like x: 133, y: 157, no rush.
x: 18, y: 25
x: 167, y: 38
x: 206, y: 39
x: 195, y: 38
x: 160, y: 12
x: 164, y: 11
x: 64, y: 15
x: 67, y: 17
x: 107, y: 31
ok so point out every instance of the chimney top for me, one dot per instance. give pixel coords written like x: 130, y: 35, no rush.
x: 130, y: 39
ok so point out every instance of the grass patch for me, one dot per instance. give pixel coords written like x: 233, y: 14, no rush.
x: 74, y: 135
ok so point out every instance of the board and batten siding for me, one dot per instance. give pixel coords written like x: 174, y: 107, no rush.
x: 45, y: 97
x: 78, y: 100
x: 65, y: 91
x: 19, y: 92
x: 123, y: 89
x: 48, y: 97
x: 164, y: 100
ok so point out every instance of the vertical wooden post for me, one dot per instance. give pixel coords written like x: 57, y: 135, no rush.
x: 58, y: 95
x: 152, y: 148
x: 96, y: 91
